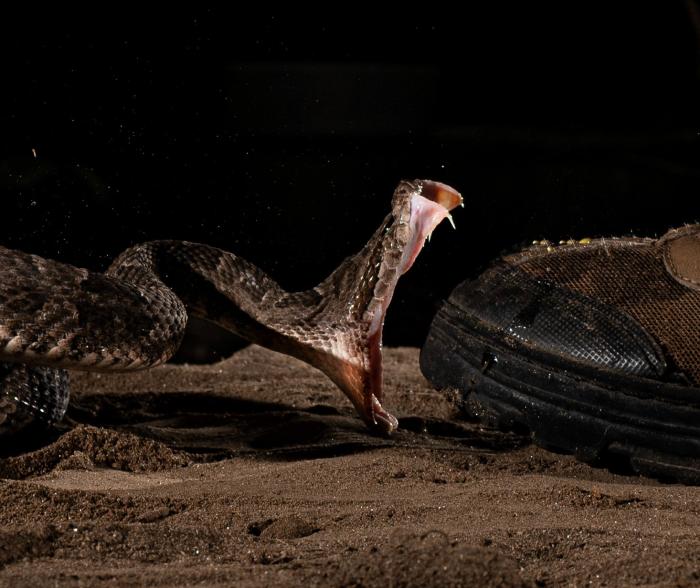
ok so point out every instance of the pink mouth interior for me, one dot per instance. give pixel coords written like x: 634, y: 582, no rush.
x: 425, y: 216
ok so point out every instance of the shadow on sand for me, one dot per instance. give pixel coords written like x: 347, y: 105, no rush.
x: 208, y: 427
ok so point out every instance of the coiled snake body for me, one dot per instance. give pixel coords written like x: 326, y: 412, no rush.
x: 55, y: 316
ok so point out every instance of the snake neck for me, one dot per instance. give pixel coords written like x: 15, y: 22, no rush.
x: 337, y: 326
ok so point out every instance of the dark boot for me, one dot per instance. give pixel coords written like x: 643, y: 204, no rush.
x: 592, y: 346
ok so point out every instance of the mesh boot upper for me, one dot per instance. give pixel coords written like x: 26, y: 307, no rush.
x: 628, y: 274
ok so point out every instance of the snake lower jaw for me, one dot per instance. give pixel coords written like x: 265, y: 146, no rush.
x: 370, y: 409
x: 381, y: 420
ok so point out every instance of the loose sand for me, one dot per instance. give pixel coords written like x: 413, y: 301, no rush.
x: 255, y: 472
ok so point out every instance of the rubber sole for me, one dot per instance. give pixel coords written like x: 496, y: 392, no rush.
x: 626, y: 424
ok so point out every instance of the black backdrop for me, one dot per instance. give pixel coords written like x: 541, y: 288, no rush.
x: 281, y: 136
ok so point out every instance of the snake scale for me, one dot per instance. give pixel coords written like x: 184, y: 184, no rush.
x: 56, y: 317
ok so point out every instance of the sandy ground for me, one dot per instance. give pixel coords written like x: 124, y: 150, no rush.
x: 256, y: 472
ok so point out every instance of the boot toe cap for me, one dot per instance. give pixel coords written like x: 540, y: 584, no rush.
x: 536, y: 316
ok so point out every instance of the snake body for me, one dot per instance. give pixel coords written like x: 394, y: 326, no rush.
x: 56, y: 317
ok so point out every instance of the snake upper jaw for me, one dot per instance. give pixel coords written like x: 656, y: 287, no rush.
x: 442, y: 194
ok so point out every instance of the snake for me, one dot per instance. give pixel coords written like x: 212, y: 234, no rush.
x: 55, y: 317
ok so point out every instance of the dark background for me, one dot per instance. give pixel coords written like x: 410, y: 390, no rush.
x: 281, y: 136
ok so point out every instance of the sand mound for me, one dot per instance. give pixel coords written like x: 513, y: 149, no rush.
x: 28, y: 542
x: 430, y: 559
x: 86, y: 447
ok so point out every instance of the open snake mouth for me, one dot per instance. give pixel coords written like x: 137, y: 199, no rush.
x: 429, y: 204
x: 429, y: 208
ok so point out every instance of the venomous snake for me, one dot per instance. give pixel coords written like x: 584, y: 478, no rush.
x: 56, y: 317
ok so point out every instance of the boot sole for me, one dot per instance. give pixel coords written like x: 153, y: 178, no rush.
x: 628, y: 424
